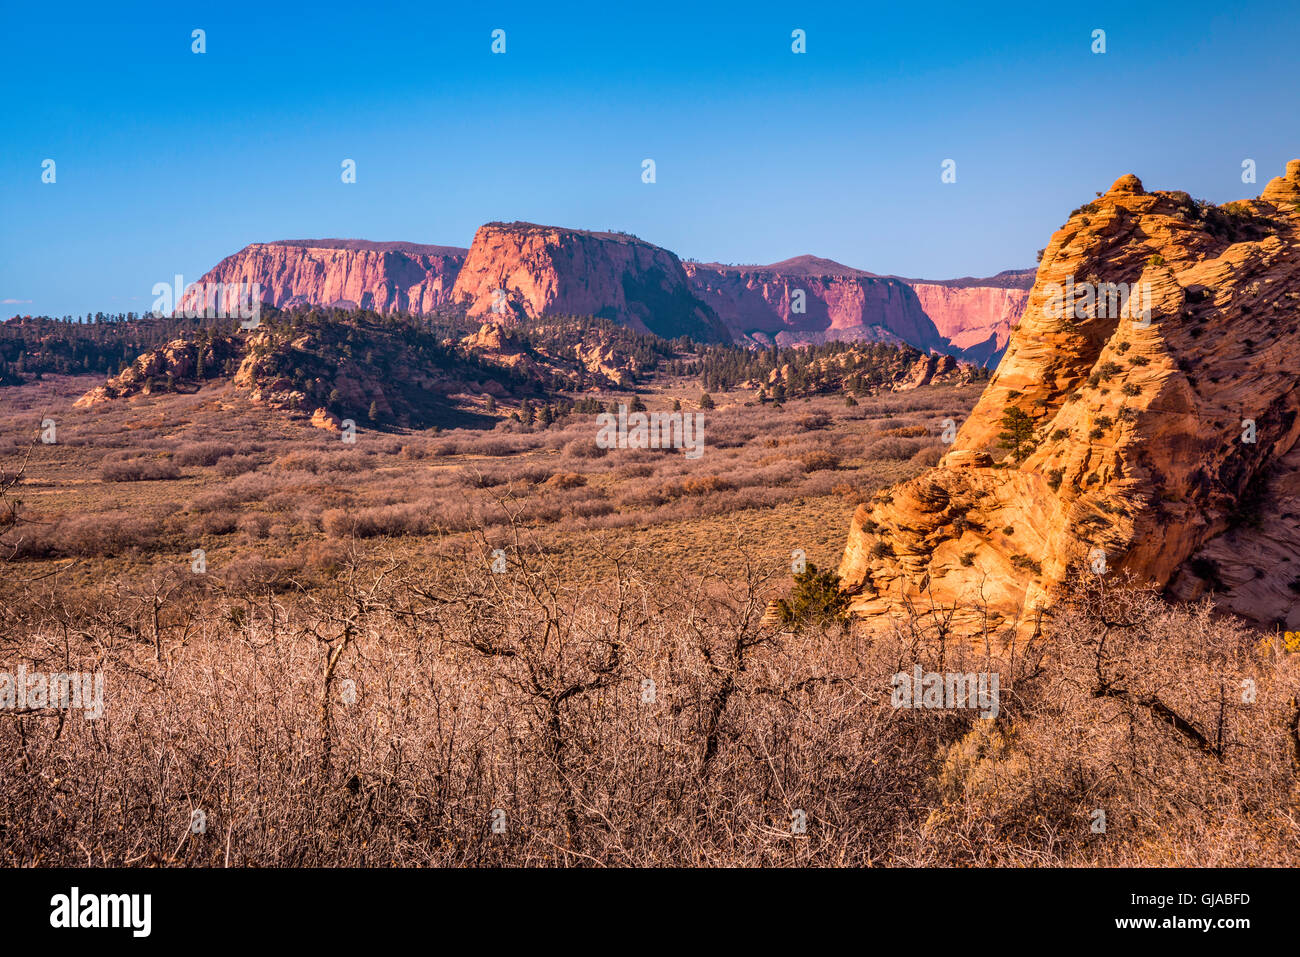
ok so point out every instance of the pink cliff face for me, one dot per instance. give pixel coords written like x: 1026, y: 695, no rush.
x: 516, y: 270
x: 521, y: 269
x: 962, y: 318
x: 385, y: 277
x: 838, y: 303
x: 976, y: 320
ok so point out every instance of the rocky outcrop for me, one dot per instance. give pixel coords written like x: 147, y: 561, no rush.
x: 385, y: 277
x: 932, y: 370
x: 181, y: 364
x: 333, y: 366
x: 323, y: 419
x: 1154, y: 434
x: 526, y: 270
x: 555, y: 351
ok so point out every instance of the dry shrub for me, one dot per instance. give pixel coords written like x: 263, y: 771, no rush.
x: 97, y: 535
x: 698, y: 485
x: 413, y: 453
x: 584, y: 449
x: 496, y: 447
x: 405, y: 519
x: 1173, y: 722
x: 218, y: 523
x: 254, y: 525
x: 139, y: 470
x: 906, y: 431
x: 892, y: 448
x: 927, y: 457
x: 815, y: 461
x: 252, y: 574
x: 848, y: 491
x: 566, y: 480
x: 731, y: 439
x: 324, y: 558
x: 343, y: 459
x: 629, y: 720
x: 472, y: 477
x: 237, y: 465
x: 534, y: 475
x: 203, y: 453
x: 471, y: 692
x: 814, y: 420
x: 248, y: 487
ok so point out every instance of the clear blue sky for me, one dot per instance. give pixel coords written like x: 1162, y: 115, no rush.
x: 167, y: 161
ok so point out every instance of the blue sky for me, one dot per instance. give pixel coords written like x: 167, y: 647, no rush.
x: 167, y: 160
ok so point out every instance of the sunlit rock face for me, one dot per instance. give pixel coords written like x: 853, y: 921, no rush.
x: 523, y: 269
x: 385, y: 277
x: 1158, y: 437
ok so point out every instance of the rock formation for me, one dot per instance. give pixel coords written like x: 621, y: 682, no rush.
x: 808, y: 299
x: 976, y: 320
x: 385, y: 277
x: 179, y: 364
x: 332, y: 366
x: 1144, y: 419
x: 967, y: 318
x: 545, y: 270
x: 527, y: 270
x: 933, y: 370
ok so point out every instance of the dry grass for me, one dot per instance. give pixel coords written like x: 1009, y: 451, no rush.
x: 209, y: 469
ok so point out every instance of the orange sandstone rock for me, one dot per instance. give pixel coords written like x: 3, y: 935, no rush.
x: 1136, y: 454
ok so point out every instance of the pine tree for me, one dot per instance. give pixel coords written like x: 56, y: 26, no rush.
x: 1017, y: 434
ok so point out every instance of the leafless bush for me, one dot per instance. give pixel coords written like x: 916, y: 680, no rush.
x: 584, y: 449
x: 814, y: 420
x: 566, y: 480
x: 893, y: 447
x: 406, y: 519
x: 139, y: 470
x: 218, y: 523
x: 86, y: 536
x: 237, y: 465
x: 395, y: 717
x: 927, y: 457
x: 814, y: 461
x: 1150, y: 734
x: 203, y: 453
x: 305, y: 460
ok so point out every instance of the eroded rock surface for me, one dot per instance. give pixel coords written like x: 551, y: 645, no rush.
x: 1135, y: 431
x: 385, y: 277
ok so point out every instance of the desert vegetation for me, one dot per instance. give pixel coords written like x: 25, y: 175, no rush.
x: 468, y: 716
x: 137, y: 488
x: 514, y: 647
